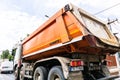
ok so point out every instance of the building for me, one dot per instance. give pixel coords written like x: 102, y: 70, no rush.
x: 113, y: 63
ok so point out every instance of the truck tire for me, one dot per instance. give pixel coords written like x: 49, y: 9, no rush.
x: 22, y: 74
x: 56, y: 73
x: 16, y: 73
x: 40, y: 73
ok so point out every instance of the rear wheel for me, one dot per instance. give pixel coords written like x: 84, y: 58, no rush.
x: 22, y: 74
x: 56, y: 74
x: 16, y: 73
x: 40, y: 73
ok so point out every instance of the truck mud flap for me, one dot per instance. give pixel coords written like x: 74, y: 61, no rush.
x: 109, y: 77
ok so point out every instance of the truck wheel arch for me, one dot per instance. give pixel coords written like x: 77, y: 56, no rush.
x: 61, y: 60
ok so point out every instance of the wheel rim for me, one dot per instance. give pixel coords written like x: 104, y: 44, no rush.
x: 21, y: 75
x: 56, y: 77
x: 15, y: 73
x: 37, y: 77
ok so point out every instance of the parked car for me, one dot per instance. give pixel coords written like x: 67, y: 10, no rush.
x: 6, y: 66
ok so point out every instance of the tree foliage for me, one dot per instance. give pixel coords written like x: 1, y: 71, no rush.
x: 10, y: 57
x: 6, y: 55
x: 13, y: 51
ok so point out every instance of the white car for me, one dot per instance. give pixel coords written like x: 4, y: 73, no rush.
x: 6, y: 66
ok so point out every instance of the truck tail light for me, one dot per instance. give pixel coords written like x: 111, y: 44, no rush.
x: 76, y: 63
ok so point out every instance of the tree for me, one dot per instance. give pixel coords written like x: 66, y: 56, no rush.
x: 10, y: 57
x: 5, y: 54
x: 13, y: 51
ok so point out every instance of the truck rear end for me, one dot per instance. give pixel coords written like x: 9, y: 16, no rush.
x: 71, y: 45
x: 70, y: 25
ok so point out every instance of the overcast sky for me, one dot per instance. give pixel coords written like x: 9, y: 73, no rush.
x: 21, y: 17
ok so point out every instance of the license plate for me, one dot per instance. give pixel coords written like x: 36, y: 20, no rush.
x: 79, y: 68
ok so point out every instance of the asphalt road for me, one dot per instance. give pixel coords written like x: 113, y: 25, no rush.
x: 7, y: 77
x: 12, y: 77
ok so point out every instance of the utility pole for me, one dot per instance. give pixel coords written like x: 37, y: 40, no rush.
x: 111, y: 21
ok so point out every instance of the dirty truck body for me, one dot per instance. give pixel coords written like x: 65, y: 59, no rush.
x: 71, y: 45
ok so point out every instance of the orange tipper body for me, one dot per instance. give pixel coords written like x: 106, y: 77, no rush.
x: 71, y: 29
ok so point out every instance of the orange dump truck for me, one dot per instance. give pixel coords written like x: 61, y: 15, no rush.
x: 71, y: 45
